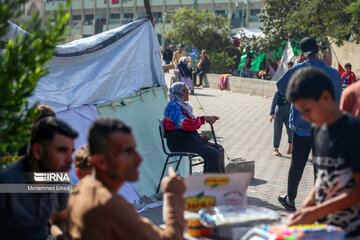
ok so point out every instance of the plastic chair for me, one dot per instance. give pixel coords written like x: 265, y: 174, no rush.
x: 174, y: 154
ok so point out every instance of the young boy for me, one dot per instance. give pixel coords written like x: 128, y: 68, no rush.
x: 83, y: 161
x: 335, y: 197
x: 348, y: 76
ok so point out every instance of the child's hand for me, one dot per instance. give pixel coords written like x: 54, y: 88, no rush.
x: 272, y: 117
x: 306, y: 215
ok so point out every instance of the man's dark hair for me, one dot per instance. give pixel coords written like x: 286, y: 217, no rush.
x: 45, y: 111
x: 290, y: 63
x: 100, y: 131
x: 309, y: 83
x: 348, y: 65
x: 45, y: 129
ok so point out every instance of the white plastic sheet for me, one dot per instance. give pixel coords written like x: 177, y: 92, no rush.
x: 101, y: 68
x: 287, y: 56
x: 14, y: 32
x: 81, y: 118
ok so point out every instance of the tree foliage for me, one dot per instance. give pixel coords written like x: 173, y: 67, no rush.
x: 22, y: 64
x: 221, y: 62
x: 295, y: 19
x: 201, y: 29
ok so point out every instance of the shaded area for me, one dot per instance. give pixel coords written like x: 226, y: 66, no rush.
x: 257, y: 182
x: 261, y: 203
x: 202, y: 94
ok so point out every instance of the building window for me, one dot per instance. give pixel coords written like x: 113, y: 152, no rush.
x: 220, y: 13
x: 128, y: 17
x: 115, y: 16
x: 76, y: 17
x: 254, y: 15
x: 157, y: 16
x: 89, y: 19
x: 141, y: 15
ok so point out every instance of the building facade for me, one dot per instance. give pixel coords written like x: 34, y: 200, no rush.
x: 114, y: 13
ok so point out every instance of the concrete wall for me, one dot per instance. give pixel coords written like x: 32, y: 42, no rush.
x: 241, y: 85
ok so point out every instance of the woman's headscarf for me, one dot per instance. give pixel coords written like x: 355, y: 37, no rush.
x: 176, y: 93
x: 184, y: 70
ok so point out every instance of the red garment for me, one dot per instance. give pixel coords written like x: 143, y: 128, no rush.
x: 185, y: 122
x: 236, y: 42
x: 348, y: 78
x: 223, y: 80
x: 341, y: 70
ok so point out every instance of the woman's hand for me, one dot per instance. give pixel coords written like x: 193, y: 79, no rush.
x: 211, y: 119
x: 205, y: 138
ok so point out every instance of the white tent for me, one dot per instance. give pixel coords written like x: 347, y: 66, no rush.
x: 116, y: 74
x: 249, y: 33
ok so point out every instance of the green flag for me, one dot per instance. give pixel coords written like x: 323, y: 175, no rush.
x: 255, y: 63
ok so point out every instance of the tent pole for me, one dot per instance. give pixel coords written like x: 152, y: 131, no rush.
x: 148, y: 12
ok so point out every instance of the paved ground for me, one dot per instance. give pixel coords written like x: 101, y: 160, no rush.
x: 245, y: 131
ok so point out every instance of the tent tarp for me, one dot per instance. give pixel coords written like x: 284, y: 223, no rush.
x: 80, y: 118
x: 348, y: 53
x: 141, y: 112
x: 102, y: 68
x: 105, y: 75
x: 14, y: 32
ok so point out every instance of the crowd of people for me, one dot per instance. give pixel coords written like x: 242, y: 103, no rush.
x: 94, y: 210
x: 309, y: 92
x: 187, y: 73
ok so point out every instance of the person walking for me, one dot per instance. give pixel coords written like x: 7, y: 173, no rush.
x: 281, y: 116
x: 185, y: 72
x: 167, y: 55
x: 178, y: 54
x: 301, y: 128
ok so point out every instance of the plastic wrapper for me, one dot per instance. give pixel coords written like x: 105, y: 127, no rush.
x: 234, y: 216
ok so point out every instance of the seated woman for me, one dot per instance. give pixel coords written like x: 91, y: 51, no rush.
x: 185, y: 73
x: 181, y: 130
x: 270, y: 70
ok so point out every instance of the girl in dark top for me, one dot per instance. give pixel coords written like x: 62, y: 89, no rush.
x: 184, y: 72
x: 281, y: 116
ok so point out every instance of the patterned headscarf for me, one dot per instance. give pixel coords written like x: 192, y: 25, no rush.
x: 176, y: 94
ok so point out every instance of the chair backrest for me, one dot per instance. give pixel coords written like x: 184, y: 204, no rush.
x: 162, y: 135
x: 161, y: 128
